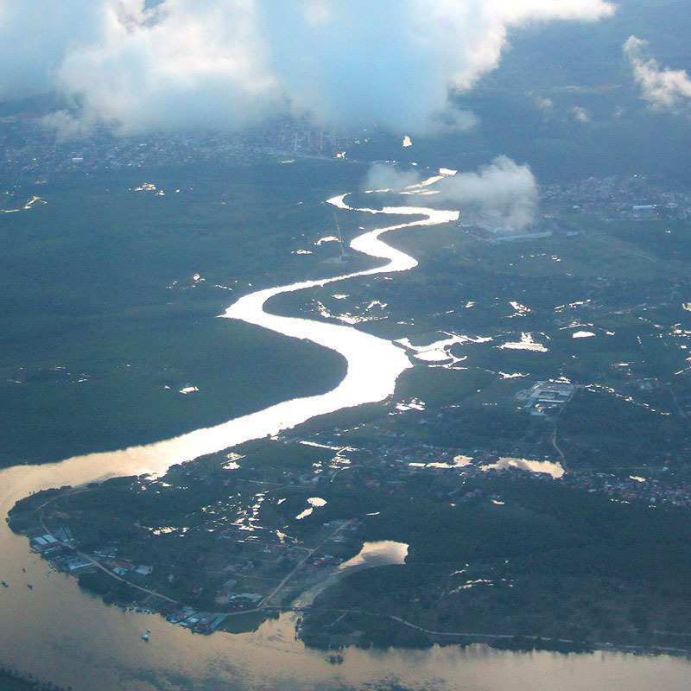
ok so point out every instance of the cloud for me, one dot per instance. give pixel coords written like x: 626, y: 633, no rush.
x: 200, y: 64
x: 34, y: 39
x: 502, y: 195
x: 176, y: 64
x: 663, y: 88
x: 384, y: 176
x: 580, y: 114
x: 452, y: 120
x: 544, y: 103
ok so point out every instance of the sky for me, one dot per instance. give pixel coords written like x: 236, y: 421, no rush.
x: 138, y: 66
x: 663, y: 88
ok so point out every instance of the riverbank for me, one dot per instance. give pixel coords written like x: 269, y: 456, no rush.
x: 373, y: 367
x: 58, y: 631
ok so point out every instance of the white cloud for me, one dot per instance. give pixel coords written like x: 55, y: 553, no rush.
x: 544, y: 103
x: 663, y: 88
x: 501, y: 195
x: 383, y: 176
x: 34, y: 39
x: 202, y: 63
x: 225, y: 63
x: 580, y: 114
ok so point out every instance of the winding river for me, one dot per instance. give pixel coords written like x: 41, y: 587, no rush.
x: 59, y: 633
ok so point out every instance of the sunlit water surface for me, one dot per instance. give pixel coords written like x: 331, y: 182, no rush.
x: 59, y: 633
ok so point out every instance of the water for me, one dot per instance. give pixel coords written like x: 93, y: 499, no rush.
x: 59, y: 633
x: 380, y: 553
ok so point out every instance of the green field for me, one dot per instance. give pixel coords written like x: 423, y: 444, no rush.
x: 99, y: 310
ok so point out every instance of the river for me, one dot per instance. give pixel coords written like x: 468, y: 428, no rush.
x: 58, y: 633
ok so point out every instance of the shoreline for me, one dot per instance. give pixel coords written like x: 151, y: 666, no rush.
x: 373, y: 367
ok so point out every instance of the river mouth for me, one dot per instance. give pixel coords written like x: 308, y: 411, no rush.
x: 373, y: 366
x: 57, y: 632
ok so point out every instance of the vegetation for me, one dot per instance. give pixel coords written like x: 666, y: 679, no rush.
x: 106, y: 318
x: 547, y: 562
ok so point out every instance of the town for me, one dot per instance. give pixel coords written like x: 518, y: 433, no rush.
x: 266, y: 535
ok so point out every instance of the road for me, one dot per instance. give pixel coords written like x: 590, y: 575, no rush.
x: 267, y: 600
